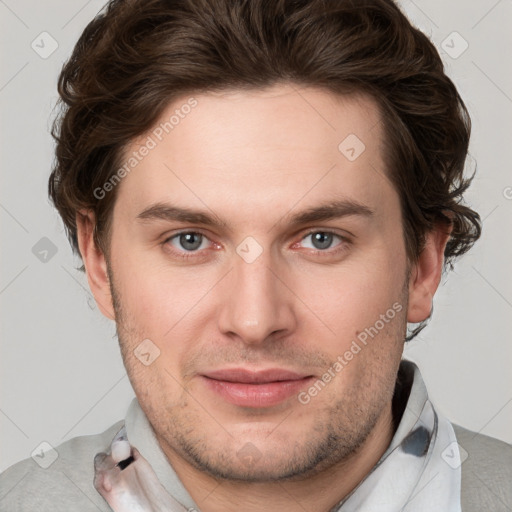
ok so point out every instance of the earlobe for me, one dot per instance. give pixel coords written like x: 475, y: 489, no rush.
x: 426, y: 274
x: 94, y: 262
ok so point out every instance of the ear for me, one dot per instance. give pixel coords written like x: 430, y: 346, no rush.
x: 426, y: 274
x: 94, y: 262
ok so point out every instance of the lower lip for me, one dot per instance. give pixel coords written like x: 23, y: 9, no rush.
x: 257, y: 395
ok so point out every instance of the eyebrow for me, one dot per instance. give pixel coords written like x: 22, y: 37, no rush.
x: 328, y: 211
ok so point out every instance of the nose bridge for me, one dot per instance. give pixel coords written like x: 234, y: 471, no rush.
x: 257, y: 303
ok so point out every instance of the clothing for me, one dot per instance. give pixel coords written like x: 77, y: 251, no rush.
x: 413, y: 475
x: 68, y: 483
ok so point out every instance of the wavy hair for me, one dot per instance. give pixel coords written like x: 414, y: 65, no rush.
x: 136, y: 56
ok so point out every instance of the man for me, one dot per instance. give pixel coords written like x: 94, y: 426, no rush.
x: 264, y: 195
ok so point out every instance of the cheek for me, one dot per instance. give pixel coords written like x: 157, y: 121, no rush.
x: 367, y: 314
x: 355, y: 294
x: 158, y: 297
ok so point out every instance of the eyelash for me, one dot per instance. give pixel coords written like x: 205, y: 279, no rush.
x: 193, y: 254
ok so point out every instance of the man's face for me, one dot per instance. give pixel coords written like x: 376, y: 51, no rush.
x: 222, y: 303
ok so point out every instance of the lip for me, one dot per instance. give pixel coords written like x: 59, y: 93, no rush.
x: 243, y: 375
x: 263, y: 388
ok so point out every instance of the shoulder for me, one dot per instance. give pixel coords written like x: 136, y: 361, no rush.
x: 486, y: 472
x: 63, y: 484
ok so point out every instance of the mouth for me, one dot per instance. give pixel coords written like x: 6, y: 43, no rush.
x: 264, y: 388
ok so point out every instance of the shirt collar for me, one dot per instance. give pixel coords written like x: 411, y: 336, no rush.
x: 140, y: 434
x: 408, y: 401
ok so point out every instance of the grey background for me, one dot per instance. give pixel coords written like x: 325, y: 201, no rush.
x: 60, y: 366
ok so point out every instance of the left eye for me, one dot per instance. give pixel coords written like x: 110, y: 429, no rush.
x: 190, y: 241
x: 322, y: 240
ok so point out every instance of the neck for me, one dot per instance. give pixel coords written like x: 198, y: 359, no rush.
x: 320, y: 492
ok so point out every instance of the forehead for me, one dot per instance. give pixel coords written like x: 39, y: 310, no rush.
x: 248, y: 149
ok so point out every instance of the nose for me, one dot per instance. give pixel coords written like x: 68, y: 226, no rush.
x: 258, y: 305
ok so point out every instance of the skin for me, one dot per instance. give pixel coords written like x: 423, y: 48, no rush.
x: 254, y: 159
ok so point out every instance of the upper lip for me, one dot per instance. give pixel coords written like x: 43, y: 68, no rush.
x: 254, y: 377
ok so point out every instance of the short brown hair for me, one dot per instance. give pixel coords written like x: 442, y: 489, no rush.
x: 136, y: 56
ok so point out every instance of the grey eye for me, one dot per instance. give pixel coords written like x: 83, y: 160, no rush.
x: 189, y: 241
x: 321, y: 239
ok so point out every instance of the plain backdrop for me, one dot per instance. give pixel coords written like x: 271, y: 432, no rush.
x: 60, y: 367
